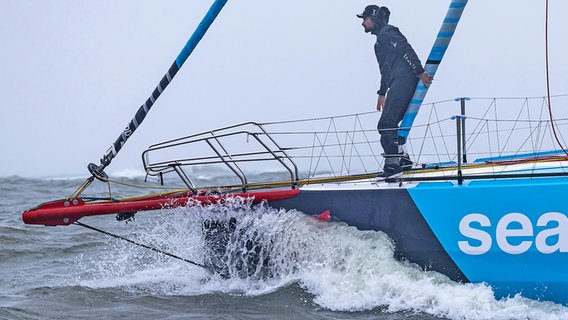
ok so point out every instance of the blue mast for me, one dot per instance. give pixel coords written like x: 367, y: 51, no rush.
x: 436, y: 54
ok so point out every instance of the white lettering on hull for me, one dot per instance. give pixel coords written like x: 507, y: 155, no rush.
x: 514, y: 233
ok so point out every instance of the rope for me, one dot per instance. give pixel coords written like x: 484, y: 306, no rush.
x: 548, y: 85
x: 145, y: 187
x: 88, y: 182
x: 81, y: 188
x: 142, y: 245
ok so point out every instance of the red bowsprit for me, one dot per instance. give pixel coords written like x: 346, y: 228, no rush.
x: 66, y: 212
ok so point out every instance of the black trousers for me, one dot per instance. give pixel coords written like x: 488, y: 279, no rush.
x: 398, y: 98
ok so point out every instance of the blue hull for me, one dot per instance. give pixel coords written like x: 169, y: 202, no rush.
x: 510, y: 233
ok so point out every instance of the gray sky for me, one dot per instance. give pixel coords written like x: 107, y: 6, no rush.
x: 75, y: 72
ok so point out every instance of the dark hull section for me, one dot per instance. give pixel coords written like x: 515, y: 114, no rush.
x: 388, y: 210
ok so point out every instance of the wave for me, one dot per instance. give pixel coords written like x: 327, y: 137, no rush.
x: 340, y: 267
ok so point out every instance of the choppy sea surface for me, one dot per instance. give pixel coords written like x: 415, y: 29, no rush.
x: 318, y: 270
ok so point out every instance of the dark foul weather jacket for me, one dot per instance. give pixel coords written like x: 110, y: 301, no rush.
x: 396, y: 57
x: 400, y: 68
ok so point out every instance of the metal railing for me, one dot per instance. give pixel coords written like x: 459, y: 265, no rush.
x: 265, y: 149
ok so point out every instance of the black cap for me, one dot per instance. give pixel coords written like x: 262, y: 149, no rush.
x: 375, y: 12
x: 370, y: 10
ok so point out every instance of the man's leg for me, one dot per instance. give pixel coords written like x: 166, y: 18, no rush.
x: 397, y: 102
x: 388, y: 129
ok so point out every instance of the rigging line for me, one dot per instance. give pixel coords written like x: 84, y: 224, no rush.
x: 548, y: 83
x: 519, y: 98
x: 512, y: 120
x: 341, y: 147
x: 354, y: 143
x: 109, y: 190
x: 324, y: 145
x: 423, y: 140
x: 497, y: 130
x: 142, y: 245
x: 312, y: 156
x: 512, y: 130
x: 81, y: 188
x: 341, y: 116
x: 126, y: 184
x: 315, y: 119
x: 445, y: 145
x: 366, y: 138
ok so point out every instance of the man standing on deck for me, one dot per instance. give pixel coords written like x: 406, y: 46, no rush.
x: 400, y: 72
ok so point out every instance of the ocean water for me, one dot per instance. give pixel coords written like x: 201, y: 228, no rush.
x: 317, y: 270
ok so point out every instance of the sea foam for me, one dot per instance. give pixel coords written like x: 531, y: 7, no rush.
x: 343, y: 268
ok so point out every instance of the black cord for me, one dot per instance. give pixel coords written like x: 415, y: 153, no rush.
x: 142, y: 245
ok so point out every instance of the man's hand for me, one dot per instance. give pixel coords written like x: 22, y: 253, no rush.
x: 426, y: 79
x: 381, y: 103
